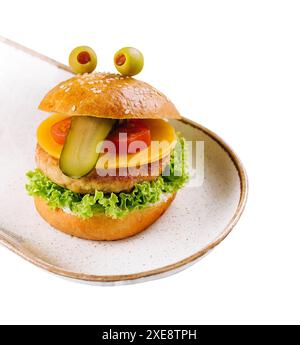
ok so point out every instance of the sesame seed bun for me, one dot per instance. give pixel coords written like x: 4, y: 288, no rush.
x: 100, y: 227
x: 108, y: 96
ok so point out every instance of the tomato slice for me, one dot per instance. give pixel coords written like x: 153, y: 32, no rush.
x: 137, y: 136
x: 60, y: 130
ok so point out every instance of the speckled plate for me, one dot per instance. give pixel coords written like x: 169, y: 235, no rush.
x: 201, y: 216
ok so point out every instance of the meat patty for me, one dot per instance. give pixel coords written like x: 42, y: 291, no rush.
x: 93, y: 181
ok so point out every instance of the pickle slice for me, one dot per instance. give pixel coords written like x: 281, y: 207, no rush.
x: 79, y: 155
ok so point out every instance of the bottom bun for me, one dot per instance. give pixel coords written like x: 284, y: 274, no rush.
x: 100, y: 227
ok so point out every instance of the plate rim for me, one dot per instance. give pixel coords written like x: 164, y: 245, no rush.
x: 15, y: 246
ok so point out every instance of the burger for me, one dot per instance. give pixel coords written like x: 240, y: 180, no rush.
x: 109, y: 163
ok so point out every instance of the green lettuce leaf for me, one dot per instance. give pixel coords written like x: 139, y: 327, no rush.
x: 114, y: 205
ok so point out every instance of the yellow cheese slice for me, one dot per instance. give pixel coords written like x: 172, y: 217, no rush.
x: 45, y: 138
x: 163, y: 140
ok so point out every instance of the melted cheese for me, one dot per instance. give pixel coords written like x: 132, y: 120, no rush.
x: 163, y: 140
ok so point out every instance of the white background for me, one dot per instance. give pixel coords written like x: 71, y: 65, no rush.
x: 233, y: 66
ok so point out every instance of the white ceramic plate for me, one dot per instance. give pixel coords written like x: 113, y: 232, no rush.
x: 199, y: 218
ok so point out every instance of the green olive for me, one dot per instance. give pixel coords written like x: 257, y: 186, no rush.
x: 83, y: 60
x: 129, y: 61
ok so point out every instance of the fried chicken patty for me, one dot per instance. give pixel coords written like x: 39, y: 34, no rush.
x: 91, y: 182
